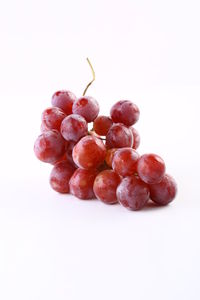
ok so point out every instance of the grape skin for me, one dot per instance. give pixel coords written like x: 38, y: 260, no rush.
x: 64, y: 100
x: 62, y: 158
x: 81, y: 183
x: 125, y: 161
x: 68, y: 153
x: 136, y: 138
x: 89, y: 152
x: 102, y: 124
x: 73, y: 128
x: 105, y: 186
x: 52, y: 118
x: 49, y: 147
x: 165, y: 191
x: 133, y: 193
x: 87, y: 107
x: 43, y: 128
x: 109, y: 156
x: 119, y: 136
x: 125, y: 112
x: 103, y: 167
x: 60, y: 176
x: 151, y: 168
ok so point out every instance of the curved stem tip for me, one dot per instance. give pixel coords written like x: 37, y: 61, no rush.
x: 93, y: 75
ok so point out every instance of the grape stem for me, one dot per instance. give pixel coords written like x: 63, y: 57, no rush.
x: 92, y: 133
x: 93, y: 79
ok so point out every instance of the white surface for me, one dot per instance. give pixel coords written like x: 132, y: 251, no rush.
x: 57, y: 247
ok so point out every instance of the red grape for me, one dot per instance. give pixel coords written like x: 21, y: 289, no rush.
x: 102, y: 124
x: 43, y: 128
x: 103, y: 167
x: 125, y: 112
x: 151, y: 168
x: 125, y: 161
x: 163, y: 192
x: 62, y: 158
x: 73, y: 127
x: 89, y: 152
x: 136, y: 138
x: 69, y: 153
x: 119, y: 136
x: 105, y: 186
x: 60, y: 176
x: 52, y: 118
x: 87, y: 107
x: 64, y: 100
x: 109, y: 156
x: 49, y: 146
x: 81, y: 183
x: 132, y: 193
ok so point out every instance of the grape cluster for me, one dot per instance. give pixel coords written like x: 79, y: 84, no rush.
x: 102, y: 163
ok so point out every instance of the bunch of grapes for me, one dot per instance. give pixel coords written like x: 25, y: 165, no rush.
x: 101, y: 163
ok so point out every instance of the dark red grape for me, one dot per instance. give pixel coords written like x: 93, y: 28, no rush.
x: 64, y: 100
x: 73, y: 128
x: 69, y: 153
x: 151, y: 168
x: 119, y: 136
x: 52, y: 118
x: 87, y: 107
x: 62, y: 158
x: 136, y: 138
x: 102, y: 124
x: 105, y: 186
x: 125, y: 161
x: 49, y: 146
x: 103, y: 167
x: 89, y: 152
x: 109, y: 156
x: 133, y: 193
x: 165, y: 191
x: 81, y: 183
x: 60, y: 176
x: 125, y: 112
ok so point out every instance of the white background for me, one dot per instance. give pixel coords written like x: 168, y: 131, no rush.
x: 55, y: 246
